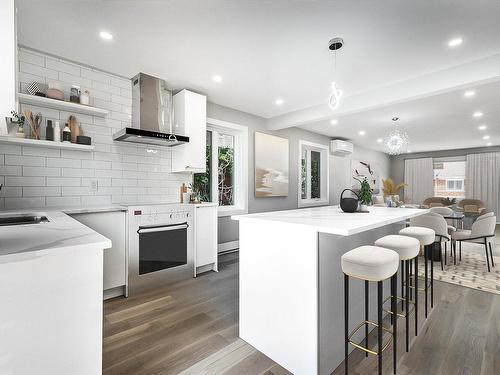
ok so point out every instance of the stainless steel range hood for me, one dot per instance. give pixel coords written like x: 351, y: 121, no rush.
x: 152, y: 114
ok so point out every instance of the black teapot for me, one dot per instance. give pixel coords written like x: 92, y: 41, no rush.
x: 349, y: 204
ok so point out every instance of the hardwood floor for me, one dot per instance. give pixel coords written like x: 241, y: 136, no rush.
x: 192, y: 328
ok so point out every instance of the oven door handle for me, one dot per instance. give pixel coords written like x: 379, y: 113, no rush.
x: 161, y: 228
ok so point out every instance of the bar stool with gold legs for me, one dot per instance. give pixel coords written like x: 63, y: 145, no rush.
x: 426, y: 238
x: 407, y: 249
x: 371, y: 263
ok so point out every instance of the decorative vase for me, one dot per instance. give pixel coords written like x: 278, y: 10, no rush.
x: 363, y: 207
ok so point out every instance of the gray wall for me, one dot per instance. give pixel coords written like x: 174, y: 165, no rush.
x: 339, y: 166
x: 397, y: 169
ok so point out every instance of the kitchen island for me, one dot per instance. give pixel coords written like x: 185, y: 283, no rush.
x: 51, y: 315
x: 291, y: 281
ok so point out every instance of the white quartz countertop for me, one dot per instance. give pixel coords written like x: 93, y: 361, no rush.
x: 331, y: 219
x: 59, y: 233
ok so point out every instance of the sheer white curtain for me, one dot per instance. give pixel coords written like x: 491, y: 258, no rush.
x: 419, y: 176
x: 482, y: 179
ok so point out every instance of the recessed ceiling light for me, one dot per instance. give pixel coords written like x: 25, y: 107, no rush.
x: 486, y: 137
x: 105, y: 35
x: 469, y: 93
x: 488, y: 144
x: 455, y: 42
x: 409, y: 151
x: 482, y: 127
x: 334, y: 121
x: 477, y: 114
x: 361, y: 132
x: 279, y: 101
x: 380, y: 140
x: 217, y: 78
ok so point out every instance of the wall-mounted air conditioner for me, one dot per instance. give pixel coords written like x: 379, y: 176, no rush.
x: 340, y: 147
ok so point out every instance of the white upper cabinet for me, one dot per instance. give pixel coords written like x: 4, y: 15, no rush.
x: 190, y: 120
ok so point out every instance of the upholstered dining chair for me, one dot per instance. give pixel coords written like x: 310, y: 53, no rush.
x: 439, y: 225
x: 444, y: 211
x: 482, y: 232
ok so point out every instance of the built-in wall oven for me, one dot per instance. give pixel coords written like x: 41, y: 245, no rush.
x: 160, y: 246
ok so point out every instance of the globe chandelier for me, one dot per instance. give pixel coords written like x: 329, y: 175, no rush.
x: 396, y: 141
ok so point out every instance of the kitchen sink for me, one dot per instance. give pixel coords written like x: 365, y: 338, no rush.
x: 22, y: 219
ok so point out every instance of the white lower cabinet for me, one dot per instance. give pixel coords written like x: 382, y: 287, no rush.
x: 205, y: 238
x: 113, y: 226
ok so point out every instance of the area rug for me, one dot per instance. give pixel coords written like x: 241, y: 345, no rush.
x: 472, y: 271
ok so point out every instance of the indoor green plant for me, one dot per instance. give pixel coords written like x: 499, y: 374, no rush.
x: 365, y: 194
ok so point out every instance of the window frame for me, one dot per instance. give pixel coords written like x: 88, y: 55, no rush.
x: 240, y: 134
x: 455, y: 180
x: 324, y: 175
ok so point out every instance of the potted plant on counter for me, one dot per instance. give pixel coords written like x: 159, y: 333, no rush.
x: 365, y: 194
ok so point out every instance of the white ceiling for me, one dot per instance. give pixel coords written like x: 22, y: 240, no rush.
x: 439, y: 122
x: 278, y: 49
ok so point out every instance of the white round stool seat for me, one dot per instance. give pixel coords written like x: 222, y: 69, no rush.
x: 406, y: 247
x: 426, y: 236
x: 372, y: 263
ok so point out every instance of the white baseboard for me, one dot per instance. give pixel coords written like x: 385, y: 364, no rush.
x: 114, y: 292
x: 228, y: 246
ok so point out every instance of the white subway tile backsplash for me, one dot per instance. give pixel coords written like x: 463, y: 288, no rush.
x: 23, y: 77
x: 24, y: 181
x: 121, y: 100
x: 41, y: 171
x: 10, y: 170
x: 62, y: 66
x: 67, y: 163
x: 95, y: 200
x: 121, y: 82
x: 41, y: 151
x: 41, y: 191
x: 110, y: 106
x: 32, y: 58
x: 84, y: 83
x: 63, y: 201
x: 96, y: 76
x: 76, y: 190
x: 101, y: 181
x: 37, y: 70
x: 11, y: 203
x: 63, y: 181
x: 125, y: 173
x: 105, y: 87
x: 11, y: 191
x: 108, y: 173
x: 24, y: 160
x: 96, y: 164
x: 10, y: 149
x: 77, y: 172
x: 76, y: 154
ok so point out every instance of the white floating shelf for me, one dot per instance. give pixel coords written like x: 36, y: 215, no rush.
x: 61, y: 105
x: 40, y: 143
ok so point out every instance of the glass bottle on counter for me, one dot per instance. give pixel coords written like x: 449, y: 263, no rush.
x: 66, y: 134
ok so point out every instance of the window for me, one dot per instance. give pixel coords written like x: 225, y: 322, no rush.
x: 449, y: 177
x: 455, y: 185
x: 225, y: 179
x: 313, y: 174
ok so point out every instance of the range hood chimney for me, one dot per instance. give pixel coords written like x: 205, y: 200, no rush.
x: 152, y: 114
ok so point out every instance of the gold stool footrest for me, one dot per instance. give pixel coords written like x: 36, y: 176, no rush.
x: 400, y: 314
x: 359, y: 346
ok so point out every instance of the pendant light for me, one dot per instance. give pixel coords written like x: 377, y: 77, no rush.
x: 396, y: 141
x: 334, y: 98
